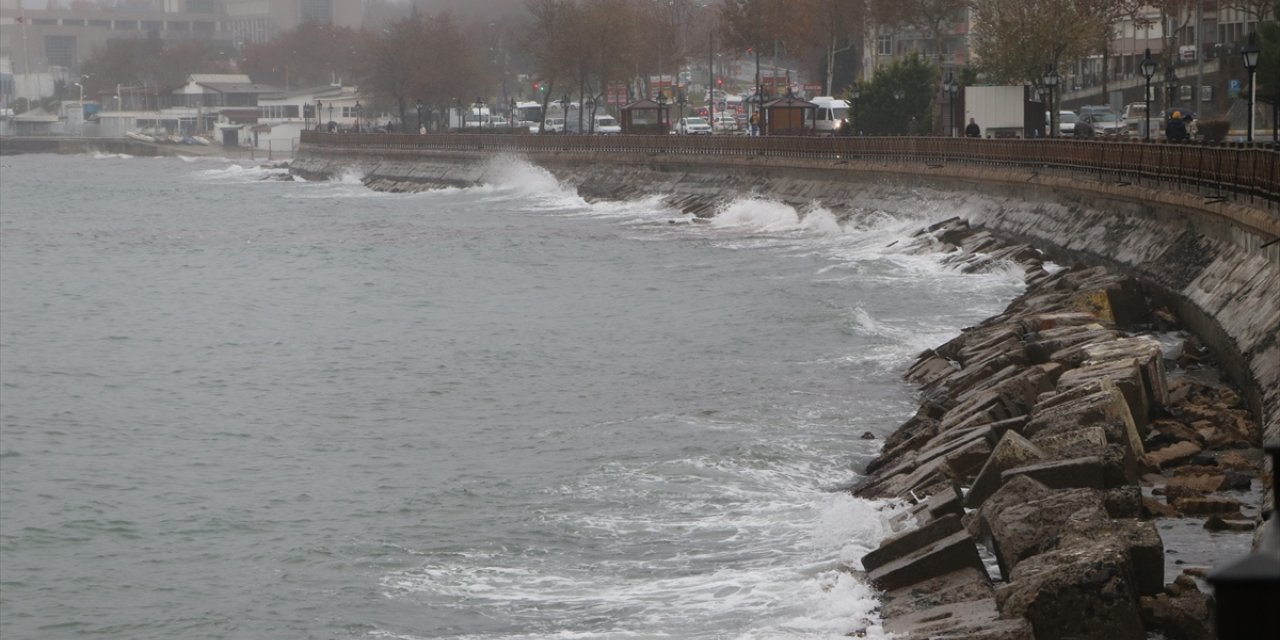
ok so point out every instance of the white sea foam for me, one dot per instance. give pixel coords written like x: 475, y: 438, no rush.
x: 98, y: 155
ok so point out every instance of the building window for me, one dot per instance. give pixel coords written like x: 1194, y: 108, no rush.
x: 72, y: 22
x: 61, y: 51
x: 126, y: 25
x: 202, y: 6
x: 151, y: 25
x: 291, y: 111
x: 884, y: 45
x: 105, y: 24
x: 178, y: 26
x: 320, y: 11
x: 44, y: 22
x: 202, y: 25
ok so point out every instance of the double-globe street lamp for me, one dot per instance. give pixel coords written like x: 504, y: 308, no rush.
x: 420, y: 106
x: 1148, y: 68
x: 1250, y: 55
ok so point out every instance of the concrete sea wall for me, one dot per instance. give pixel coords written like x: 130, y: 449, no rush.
x: 1045, y: 431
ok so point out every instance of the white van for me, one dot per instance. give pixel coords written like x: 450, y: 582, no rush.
x: 829, y: 114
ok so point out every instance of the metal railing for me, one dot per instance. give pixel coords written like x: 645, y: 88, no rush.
x: 1220, y: 171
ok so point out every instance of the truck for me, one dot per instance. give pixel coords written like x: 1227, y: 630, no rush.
x: 473, y: 117
x: 1004, y: 111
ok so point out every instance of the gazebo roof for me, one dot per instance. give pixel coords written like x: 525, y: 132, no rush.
x: 789, y: 102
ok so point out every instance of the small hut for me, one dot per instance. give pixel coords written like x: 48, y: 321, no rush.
x: 789, y: 116
x: 646, y: 117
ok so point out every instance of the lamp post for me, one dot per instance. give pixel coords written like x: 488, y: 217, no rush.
x: 662, y: 103
x: 1170, y: 86
x: 949, y: 90
x: 420, y: 105
x: 1250, y: 55
x: 1148, y: 69
x: 589, y: 108
x: 479, y: 107
x: 357, y: 109
x: 1051, y: 80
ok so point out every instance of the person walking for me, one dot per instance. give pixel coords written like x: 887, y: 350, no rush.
x: 755, y: 123
x: 972, y: 131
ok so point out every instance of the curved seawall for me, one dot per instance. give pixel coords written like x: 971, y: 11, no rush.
x: 1207, y: 258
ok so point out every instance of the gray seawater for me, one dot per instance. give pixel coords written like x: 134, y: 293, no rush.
x: 239, y: 406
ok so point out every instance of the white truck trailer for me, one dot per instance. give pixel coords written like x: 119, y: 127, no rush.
x: 1004, y: 112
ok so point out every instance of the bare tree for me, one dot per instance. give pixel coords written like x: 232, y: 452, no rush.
x: 549, y: 41
x: 839, y: 26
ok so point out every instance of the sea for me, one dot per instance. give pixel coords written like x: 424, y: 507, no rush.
x: 235, y: 404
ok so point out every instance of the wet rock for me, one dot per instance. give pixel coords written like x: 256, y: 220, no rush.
x: 1188, y: 615
x: 965, y: 585
x: 1127, y: 377
x: 1087, y: 472
x: 1053, y: 591
x: 1173, y: 455
x: 1012, y: 451
x: 952, y: 553
x: 1218, y: 523
x: 1152, y: 508
x: 1194, y: 485
x: 974, y: 620
x: 1019, y: 531
x: 1146, y: 352
x: 1105, y: 408
x: 909, y: 542
x: 1206, y: 505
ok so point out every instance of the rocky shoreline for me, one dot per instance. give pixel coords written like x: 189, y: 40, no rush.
x: 1050, y: 440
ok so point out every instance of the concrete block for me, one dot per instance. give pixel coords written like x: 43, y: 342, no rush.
x: 909, y: 542
x: 1087, y: 472
x: 951, y: 553
x: 1054, y: 590
x: 965, y: 585
x: 1147, y: 351
x: 1012, y: 451
x: 1127, y: 377
x: 1106, y: 407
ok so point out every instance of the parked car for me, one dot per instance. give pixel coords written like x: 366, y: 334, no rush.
x: 550, y: 125
x: 725, y: 122
x: 693, y: 126
x: 1105, y: 123
x: 607, y: 124
x: 1066, y: 122
x: 1091, y: 109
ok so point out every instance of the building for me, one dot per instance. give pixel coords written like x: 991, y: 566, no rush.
x: 41, y: 46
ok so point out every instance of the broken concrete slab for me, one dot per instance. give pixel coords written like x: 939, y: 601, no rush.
x: 911, y: 541
x: 951, y: 553
x: 1012, y: 451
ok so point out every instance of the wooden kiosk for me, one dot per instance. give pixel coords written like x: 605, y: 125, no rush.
x: 646, y: 117
x: 789, y: 116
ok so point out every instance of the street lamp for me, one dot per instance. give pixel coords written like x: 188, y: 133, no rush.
x: 420, y: 129
x: 81, y: 90
x: 1250, y: 55
x: 1051, y: 80
x: 479, y: 106
x: 1148, y: 69
x: 949, y: 89
x: 1170, y: 86
x: 898, y: 94
x: 357, y: 110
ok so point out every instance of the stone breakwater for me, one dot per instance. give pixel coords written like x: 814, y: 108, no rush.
x: 1050, y: 439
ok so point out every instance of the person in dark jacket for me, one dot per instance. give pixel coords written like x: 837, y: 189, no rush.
x: 972, y: 131
x: 1175, y: 130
